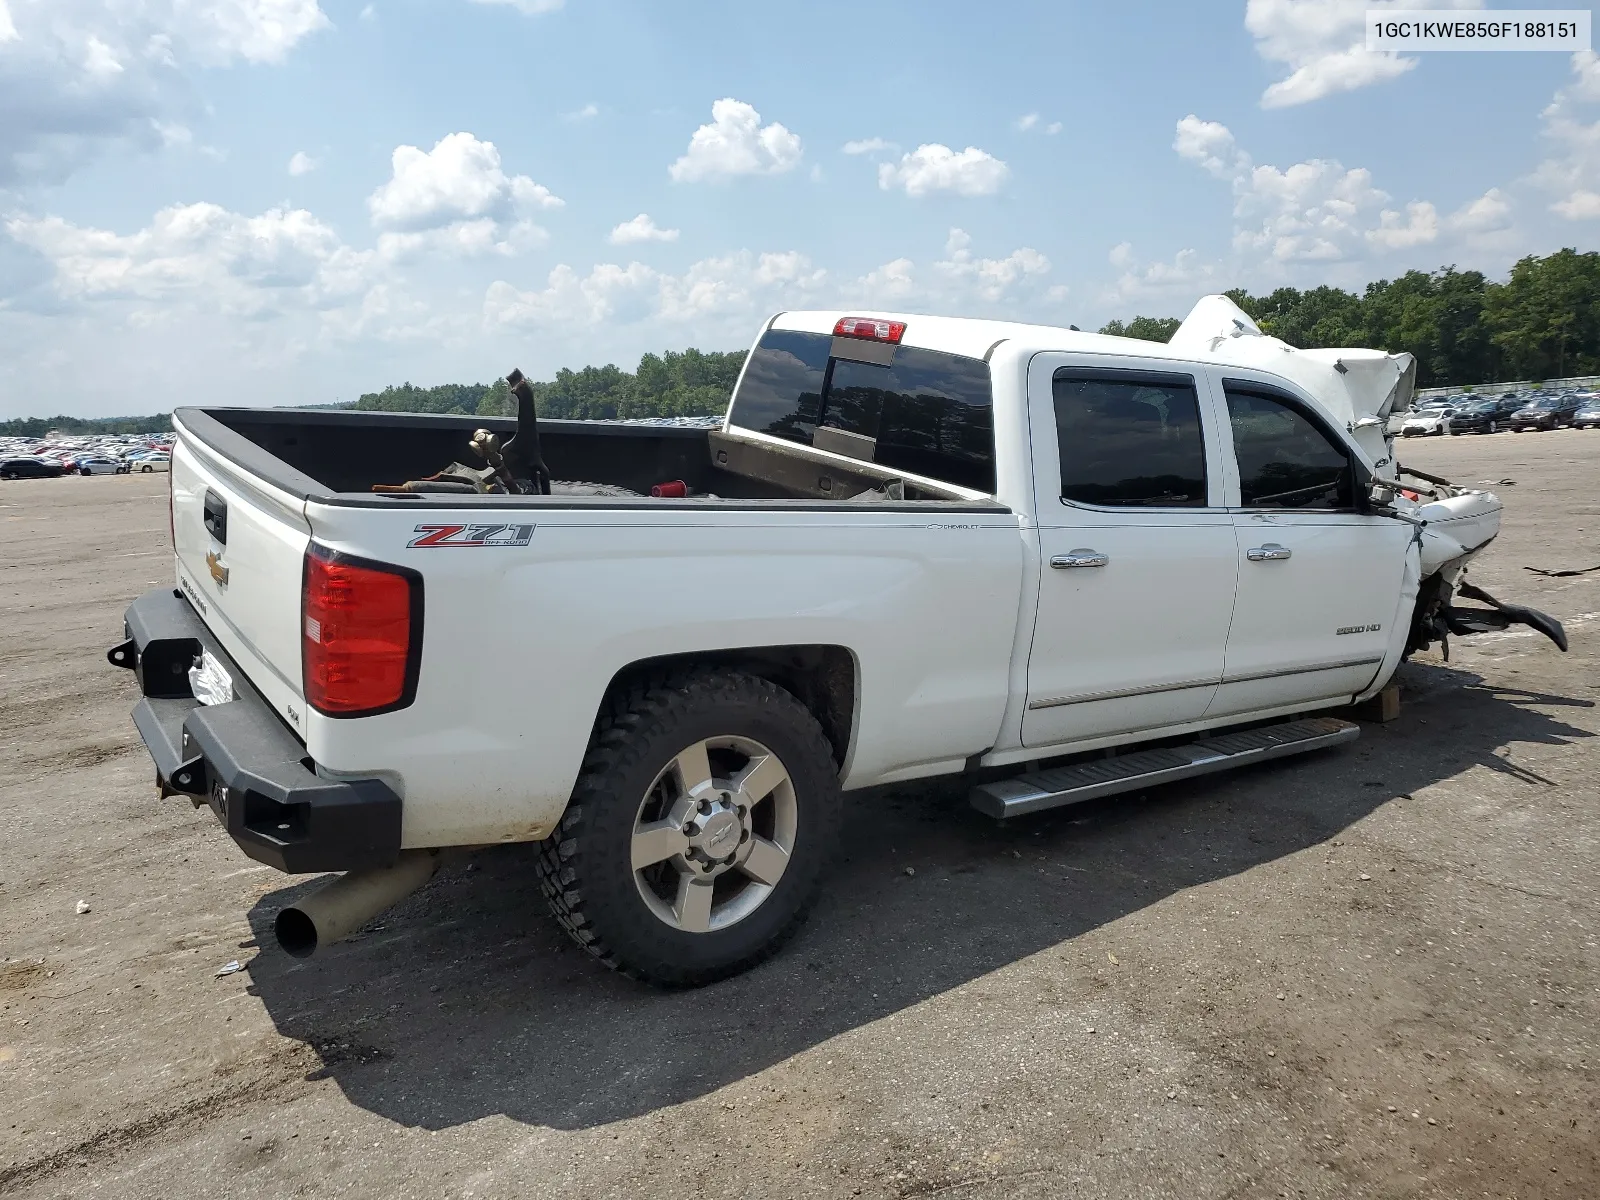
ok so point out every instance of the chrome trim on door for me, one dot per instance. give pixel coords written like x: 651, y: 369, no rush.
x: 1270, y: 552
x: 1080, y: 557
x: 1150, y: 690
x: 1341, y: 665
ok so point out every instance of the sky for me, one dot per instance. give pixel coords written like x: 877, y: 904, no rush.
x: 278, y: 202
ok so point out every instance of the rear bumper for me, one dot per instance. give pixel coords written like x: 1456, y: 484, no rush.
x: 242, y: 759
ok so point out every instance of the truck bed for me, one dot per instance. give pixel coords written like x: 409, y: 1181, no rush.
x: 316, y: 455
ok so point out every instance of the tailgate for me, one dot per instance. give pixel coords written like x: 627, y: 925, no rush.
x: 240, y: 547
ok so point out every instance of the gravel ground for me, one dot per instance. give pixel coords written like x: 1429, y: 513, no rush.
x: 1366, y: 972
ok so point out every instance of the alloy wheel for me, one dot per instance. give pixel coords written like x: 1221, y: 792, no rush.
x: 714, y: 834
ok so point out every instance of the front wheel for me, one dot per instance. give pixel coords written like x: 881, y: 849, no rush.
x: 146, y: 470
x: 696, y: 838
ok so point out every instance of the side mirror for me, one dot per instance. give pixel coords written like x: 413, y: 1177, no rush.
x: 1376, y: 494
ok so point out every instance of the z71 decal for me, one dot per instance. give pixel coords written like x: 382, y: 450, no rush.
x: 469, y: 536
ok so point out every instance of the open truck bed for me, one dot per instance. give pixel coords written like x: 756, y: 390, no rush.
x: 319, y: 455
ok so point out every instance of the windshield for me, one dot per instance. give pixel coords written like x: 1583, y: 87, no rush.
x: 1546, y: 402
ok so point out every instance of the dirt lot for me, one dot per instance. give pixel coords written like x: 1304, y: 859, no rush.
x: 1369, y: 972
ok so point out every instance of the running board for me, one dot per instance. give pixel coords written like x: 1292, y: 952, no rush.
x: 1144, y: 768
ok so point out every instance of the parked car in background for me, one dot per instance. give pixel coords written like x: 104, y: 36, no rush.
x: 1587, y: 415
x: 1422, y: 422
x: 146, y: 463
x: 1477, y: 416
x: 1545, y: 412
x: 98, y: 465
x: 30, y: 467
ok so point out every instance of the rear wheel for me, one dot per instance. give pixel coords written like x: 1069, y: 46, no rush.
x: 699, y: 830
x: 145, y: 470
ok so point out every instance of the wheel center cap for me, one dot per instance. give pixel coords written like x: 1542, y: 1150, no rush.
x: 720, y: 834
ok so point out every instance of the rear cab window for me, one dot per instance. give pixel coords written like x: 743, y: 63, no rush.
x: 923, y: 412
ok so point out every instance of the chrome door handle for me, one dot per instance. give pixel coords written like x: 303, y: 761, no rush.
x: 1079, y: 558
x: 1271, y: 552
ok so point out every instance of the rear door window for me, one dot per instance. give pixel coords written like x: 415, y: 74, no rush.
x: 925, y: 412
x: 1129, y: 439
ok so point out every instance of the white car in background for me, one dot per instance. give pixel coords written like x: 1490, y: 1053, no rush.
x: 145, y: 463
x: 1422, y: 422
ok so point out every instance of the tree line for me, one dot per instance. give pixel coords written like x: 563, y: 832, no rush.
x: 1543, y: 322
x: 37, y: 427
x: 689, y: 383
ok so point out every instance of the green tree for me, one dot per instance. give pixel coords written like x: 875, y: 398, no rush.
x: 1149, y: 329
x: 496, y: 401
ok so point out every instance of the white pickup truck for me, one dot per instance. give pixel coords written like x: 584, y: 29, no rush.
x: 1061, y: 564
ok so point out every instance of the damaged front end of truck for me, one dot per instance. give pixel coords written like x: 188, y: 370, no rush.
x: 1366, y: 392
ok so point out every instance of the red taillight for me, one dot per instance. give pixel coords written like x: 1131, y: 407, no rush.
x: 361, y: 637
x: 870, y: 328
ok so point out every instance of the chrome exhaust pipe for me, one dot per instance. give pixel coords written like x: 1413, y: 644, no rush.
x: 335, y: 911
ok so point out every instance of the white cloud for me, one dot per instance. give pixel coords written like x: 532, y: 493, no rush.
x: 173, y: 134
x: 1489, y: 213
x: 1177, y: 282
x: 302, y: 163
x: 1053, y: 128
x: 1027, y: 121
x: 736, y: 143
x: 587, y: 113
x: 888, y: 286
x: 641, y: 229
x: 1322, y: 43
x: 201, y: 256
x: 990, y: 279
x: 456, y: 197
x: 869, y: 146
x: 1211, y: 145
x: 937, y: 168
x: 1314, y: 213
x: 726, y: 294
x: 730, y: 291
x: 1418, y: 227
x: 369, y: 13
x: 1572, y: 174
x: 532, y: 8
x: 77, y: 75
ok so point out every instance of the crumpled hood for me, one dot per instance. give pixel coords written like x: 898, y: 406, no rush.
x: 1351, y: 385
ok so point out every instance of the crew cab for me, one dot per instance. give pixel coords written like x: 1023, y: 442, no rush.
x: 1059, y: 564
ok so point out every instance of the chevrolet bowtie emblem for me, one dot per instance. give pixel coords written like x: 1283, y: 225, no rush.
x: 218, y: 571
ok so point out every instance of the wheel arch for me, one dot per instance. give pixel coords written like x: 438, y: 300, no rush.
x: 824, y: 678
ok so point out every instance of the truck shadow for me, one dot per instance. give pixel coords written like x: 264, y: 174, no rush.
x: 466, y: 1001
